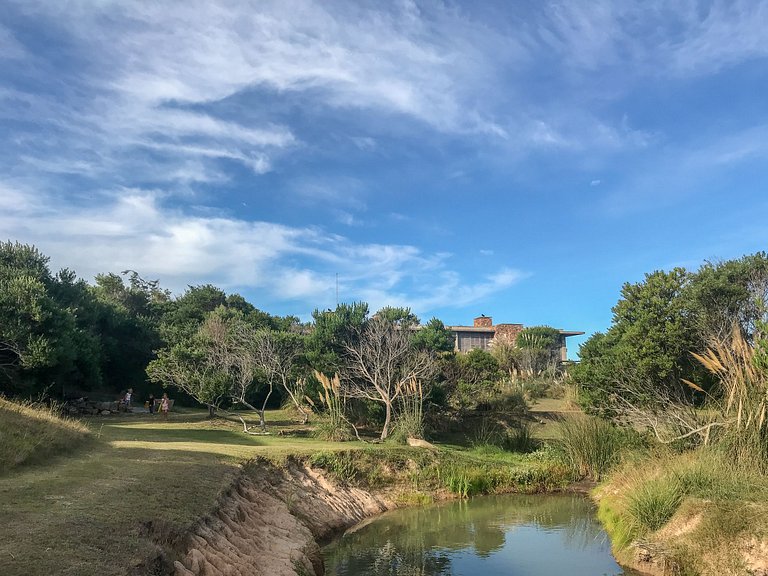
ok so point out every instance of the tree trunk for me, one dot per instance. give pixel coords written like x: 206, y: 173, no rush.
x: 211, y: 411
x: 387, y: 420
x: 262, y: 421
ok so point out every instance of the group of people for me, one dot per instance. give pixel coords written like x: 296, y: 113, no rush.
x: 163, y: 407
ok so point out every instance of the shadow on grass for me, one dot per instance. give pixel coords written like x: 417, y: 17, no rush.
x: 160, y: 434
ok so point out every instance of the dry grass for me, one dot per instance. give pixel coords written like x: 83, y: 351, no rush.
x: 741, y: 400
x: 31, y: 433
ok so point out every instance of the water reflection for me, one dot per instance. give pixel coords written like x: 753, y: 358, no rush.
x: 510, y: 535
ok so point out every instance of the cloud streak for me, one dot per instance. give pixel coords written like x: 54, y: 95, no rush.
x: 134, y: 230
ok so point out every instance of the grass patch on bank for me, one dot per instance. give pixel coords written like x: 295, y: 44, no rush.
x: 461, y: 473
x: 699, y: 508
x: 591, y: 447
x: 31, y: 433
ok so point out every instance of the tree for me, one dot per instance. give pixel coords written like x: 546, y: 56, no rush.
x: 538, y: 349
x: 38, y: 335
x: 196, y: 365
x: 380, y: 361
x: 653, y: 332
x: 333, y: 331
x: 279, y: 356
x: 434, y: 336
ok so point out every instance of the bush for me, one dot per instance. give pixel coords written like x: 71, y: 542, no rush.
x: 332, y: 430
x: 591, y: 446
x: 407, y: 425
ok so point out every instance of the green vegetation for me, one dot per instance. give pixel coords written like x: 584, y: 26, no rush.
x: 591, y: 446
x: 684, y: 364
x: 33, y: 434
x: 676, y: 391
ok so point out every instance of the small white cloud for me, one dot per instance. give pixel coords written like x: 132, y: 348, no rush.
x: 595, y: 183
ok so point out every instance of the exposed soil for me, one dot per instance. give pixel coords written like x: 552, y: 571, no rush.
x: 270, y: 523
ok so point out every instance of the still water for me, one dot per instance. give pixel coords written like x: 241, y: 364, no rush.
x: 488, y: 536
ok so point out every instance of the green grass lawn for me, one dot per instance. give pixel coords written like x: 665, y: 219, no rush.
x: 82, y: 512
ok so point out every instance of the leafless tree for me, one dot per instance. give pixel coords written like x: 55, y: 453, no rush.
x: 381, y: 361
x: 277, y: 354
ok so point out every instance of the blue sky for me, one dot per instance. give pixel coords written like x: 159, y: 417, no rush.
x: 516, y: 159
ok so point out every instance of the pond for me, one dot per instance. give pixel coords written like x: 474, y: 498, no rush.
x: 488, y: 536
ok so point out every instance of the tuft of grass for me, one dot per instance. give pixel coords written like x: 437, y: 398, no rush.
x: 341, y: 465
x: 413, y: 498
x: 654, y: 502
x: 31, y: 433
x: 521, y: 440
x: 591, y: 446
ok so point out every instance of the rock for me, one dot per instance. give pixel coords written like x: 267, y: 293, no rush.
x: 419, y: 443
x: 105, y: 412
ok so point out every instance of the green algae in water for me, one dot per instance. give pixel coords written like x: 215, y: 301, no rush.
x: 488, y: 536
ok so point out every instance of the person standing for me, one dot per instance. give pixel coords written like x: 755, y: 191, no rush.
x: 151, y: 402
x: 165, y: 405
x: 127, y: 399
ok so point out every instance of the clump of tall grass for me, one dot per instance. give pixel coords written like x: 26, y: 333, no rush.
x: 520, y: 439
x: 741, y: 397
x: 32, y: 432
x: 654, y: 502
x: 341, y: 465
x: 486, y: 433
x: 334, y: 426
x: 591, y: 446
x: 409, y: 421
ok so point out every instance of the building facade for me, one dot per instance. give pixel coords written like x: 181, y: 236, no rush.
x: 482, y: 332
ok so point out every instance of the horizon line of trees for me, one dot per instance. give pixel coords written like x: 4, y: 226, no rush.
x: 60, y: 337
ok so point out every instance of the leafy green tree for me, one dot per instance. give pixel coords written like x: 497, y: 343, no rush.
x: 399, y: 316
x: 652, y: 334
x: 434, y: 336
x: 537, y: 350
x: 38, y: 336
x: 730, y: 291
x: 189, y: 365
x: 332, y: 332
x: 472, y: 378
x: 128, y: 325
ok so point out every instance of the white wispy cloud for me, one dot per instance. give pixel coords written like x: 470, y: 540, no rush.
x: 162, y: 76
x: 135, y: 230
x: 654, y: 37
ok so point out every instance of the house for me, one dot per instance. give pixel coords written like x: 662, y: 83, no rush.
x: 482, y: 332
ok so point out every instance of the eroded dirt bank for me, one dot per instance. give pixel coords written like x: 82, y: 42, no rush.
x: 270, y: 521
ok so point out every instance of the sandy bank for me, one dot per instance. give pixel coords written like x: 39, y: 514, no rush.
x: 270, y: 522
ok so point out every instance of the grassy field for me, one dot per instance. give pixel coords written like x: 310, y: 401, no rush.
x: 85, y: 511
x: 82, y: 511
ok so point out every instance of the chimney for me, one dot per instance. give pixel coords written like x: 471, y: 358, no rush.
x: 483, y: 321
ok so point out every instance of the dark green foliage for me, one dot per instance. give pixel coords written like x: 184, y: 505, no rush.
x: 48, y: 338
x: 657, y: 323
x: 434, y: 337
x: 333, y: 330
x: 400, y: 316
x: 653, y: 331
